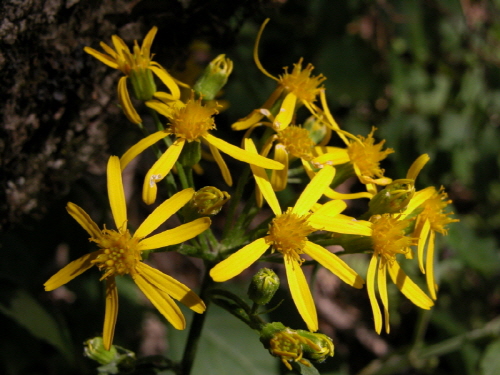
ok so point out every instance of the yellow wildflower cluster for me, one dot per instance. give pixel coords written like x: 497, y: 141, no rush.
x: 398, y: 220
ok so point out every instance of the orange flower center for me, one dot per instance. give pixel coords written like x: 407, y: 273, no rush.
x: 301, y: 83
x: 296, y: 141
x: 388, y: 237
x: 288, y: 234
x: 119, y: 254
x: 366, y: 155
x: 192, y: 121
x: 434, y: 212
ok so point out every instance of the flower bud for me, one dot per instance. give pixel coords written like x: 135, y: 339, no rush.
x: 113, y: 361
x: 207, y: 201
x: 393, y: 198
x: 214, y: 77
x: 94, y: 349
x: 318, y: 346
x: 263, y: 286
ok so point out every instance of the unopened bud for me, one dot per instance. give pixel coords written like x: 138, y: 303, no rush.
x: 94, y: 349
x: 113, y: 361
x: 214, y: 77
x: 208, y: 201
x: 263, y: 286
x: 319, y: 346
x: 393, y: 198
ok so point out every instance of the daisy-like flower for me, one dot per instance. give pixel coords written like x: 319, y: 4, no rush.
x: 294, y: 88
x: 137, y: 65
x: 433, y: 219
x: 388, y: 240
x: 190, y: 122
x: 287, y: 235
x: 120, y: 254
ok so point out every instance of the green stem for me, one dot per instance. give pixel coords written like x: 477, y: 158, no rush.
x: 235, y: 199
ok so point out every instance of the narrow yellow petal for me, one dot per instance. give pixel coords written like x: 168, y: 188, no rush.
x: 419, y: 198
x: 140, y: 146
x: 256, y: 51
x: 422, y: 241
x: 160, y: 169
x: 340, y: 224
x: 262, y: 181
x: 110, y: 313
x: 163, y: 212
x: 120, y: 47
x: 279, y: 178
x: 109, y: 61
x: 332, y: 208
x: 411, y: 290
x: 239, y: 261
x: 330, y: 118
x: 286, y: 112
x: 174, y: 288
x: 176, y: 235
x: 160, y: 107
x: 370, y: 286
x: 314, y: 190
x: 301, y: 294
x: 241, y: 154
x: 382, y: 290
x: 110, y: 51
x: 148, y: 41
x: 70, y: 271
x: 336, y: 155
x: 167, y: 80
x: 334, y: 264
x: 126, y: 103
x: 417, y: 166
x: 116, y: 194
x: 162, y: 301
x: 226, y: 175
x: 332, y: 194
x: 248, y: 121
x: 84, y: 220
x: 429, y: 266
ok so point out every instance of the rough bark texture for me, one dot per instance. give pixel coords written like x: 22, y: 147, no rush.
x: 57, y: 103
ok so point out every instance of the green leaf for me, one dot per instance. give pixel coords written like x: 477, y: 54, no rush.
x: 490, y: 363
x: 305, y: 370
x: 29, y: 314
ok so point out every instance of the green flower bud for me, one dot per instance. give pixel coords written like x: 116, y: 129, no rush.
x: 143, y: 83
x: 319, y: 346
x: 207, y: 201
x: 214, y: 77
x: 263, y: 286
x: 94, y: 349
x: 393, y: 198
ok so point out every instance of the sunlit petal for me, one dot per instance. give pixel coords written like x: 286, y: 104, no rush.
x: 417, y: 166
x: 411, y: 290
x: 140, y: 146
x: 110, y: 313
x: 239, y: 261
x: 429, y: 266
x: 382, y: 289
x: 370, y: 285
x: 422, y: 241
x: 340, y: 224
x: 332, y: 208
x: 286, y: 112
x: 334, y: 264
x: 418, y: 199
x: 70, y: 271
x: 279, y: 178
x: 116, y: 194
x: 314, y: 190
x: 167, y: 80
x: 226, y: 175
x: 300, y: 293
x: 84, y: 220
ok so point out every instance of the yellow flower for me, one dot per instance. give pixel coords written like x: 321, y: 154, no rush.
x: 295, y: 88
x: 189, y: 122
x: 120, y: 253
x: 433, y: 219
x: 388, y: 240
x: 287, y: 235
x: 138, y: 66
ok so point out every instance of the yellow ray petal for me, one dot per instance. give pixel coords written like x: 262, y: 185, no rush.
x: 419, y: 198
x: 330, y: 118
x: 422, y: 241
x: 239, y: 261
x: 174, y: 288
x: 84, y: 220
x: 163, y: 212
x: 120, y: 47
x: 140, y: 146
x: 160, y: 169
x: 226, y: 175
x: 109, y: 61
x: 382, y: 290
x: 334, y: 264
x: 248, y: 121
x: 332, y: 194
x: 417, y: 166
x: 262, y: 181
x: 167, y: 80
x: 148, y: 41
x: 162, y: 301
x: 370, y: 286
x: 340, y: 224
x: 175, y: 236
x: 279, y: 178
x: 300, y: 293
x: 314, y: 190
x: 110, y: 313
x: 256, y: 51
x: 411, y: 290
x: 241, y: 154
x: 332, y: 208
x: 110, y: 51
x: 429, y: 266
x: 70, y: 271
x: 116, y: 194
x: 286, y: 112
x: 126, y: 103
x: 336, y: 155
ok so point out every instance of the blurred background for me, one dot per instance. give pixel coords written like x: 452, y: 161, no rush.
x: 424, y: 73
